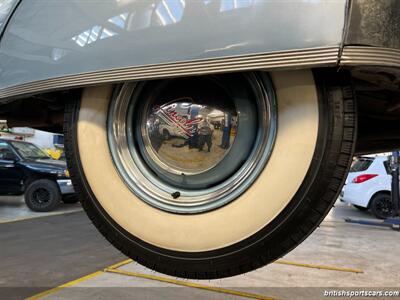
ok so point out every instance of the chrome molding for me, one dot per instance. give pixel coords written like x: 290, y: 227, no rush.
x: 370, y: 56
x: 304, y: 58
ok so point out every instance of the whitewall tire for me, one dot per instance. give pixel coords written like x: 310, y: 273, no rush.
x: 308, y: 161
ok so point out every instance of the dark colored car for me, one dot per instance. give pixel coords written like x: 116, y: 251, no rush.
x: 26, y: 169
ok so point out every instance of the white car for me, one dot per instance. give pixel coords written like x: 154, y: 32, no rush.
x: 167, y: 131
x: 368, y: 186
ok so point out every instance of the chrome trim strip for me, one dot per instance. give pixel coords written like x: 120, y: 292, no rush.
x: 304, y: 58
x: 370, y: 56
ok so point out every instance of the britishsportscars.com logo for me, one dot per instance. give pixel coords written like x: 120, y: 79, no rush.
x: 361, y: 293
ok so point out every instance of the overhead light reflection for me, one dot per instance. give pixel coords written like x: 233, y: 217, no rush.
x: 119, y: 20
x: 94, y: 34
x: 107, y: 33
x: 164, y: 12
x: 170, y: 11
x: 91, y: 35
x: 227, y: 5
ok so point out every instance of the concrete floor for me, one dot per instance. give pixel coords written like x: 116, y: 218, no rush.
x: 13, y: 208
x: 184, y: 157
x: 40, y: 253
x: 373, y: 250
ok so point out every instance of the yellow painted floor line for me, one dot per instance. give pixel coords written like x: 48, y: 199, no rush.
x: 120, y: 264
x: 323, y: 267
x: 65, y: 285
x: 190, y: 284
x: 76, y: 281
x: 114, y: 269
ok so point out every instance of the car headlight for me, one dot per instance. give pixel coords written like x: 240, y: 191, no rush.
x: 6, y: 7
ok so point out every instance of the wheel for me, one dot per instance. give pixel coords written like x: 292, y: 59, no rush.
x: 273, y: 172
x: 360, y: 207
x: 381, y: 206
x: 70, y: 199
x: 42, y: 195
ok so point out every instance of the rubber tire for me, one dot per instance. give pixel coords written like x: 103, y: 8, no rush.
x: 70, y: 199
x: 361, y: 208
x: 374, y: 203
x: 51, y: 187
x: 313, y: 200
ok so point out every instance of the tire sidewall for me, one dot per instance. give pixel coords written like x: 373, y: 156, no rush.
x: 300, y: 217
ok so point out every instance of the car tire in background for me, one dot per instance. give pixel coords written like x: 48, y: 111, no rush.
x: 293, y: 190
x: 42, y: 195
x: 381, y: 205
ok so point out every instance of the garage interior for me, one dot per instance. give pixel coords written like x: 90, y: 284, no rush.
x: 213, y: 149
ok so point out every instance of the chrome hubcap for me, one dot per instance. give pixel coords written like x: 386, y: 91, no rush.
x: 188, y: 137
x: 194, y: 144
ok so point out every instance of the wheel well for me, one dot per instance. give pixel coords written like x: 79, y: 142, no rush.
x: 378, y: 193
x: 378, y: 110
x: 32, y: 179
x: 41, y: 111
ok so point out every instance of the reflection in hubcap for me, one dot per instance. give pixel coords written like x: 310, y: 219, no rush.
x: 183, y: 136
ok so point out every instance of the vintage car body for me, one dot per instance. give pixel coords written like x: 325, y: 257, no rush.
x: 148, y: 34
x: 116, y: 35
x: 310, y: 79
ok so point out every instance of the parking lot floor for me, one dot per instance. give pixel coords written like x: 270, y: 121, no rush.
x: 337, y: 256
x: 43, y: 252
x: 13, y: 208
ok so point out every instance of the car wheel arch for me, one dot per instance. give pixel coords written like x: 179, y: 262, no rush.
x: 384, y: 192
x: 30, y: 179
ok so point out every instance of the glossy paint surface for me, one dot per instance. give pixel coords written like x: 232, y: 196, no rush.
x: 6, y: 8
x: 52, y: 38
